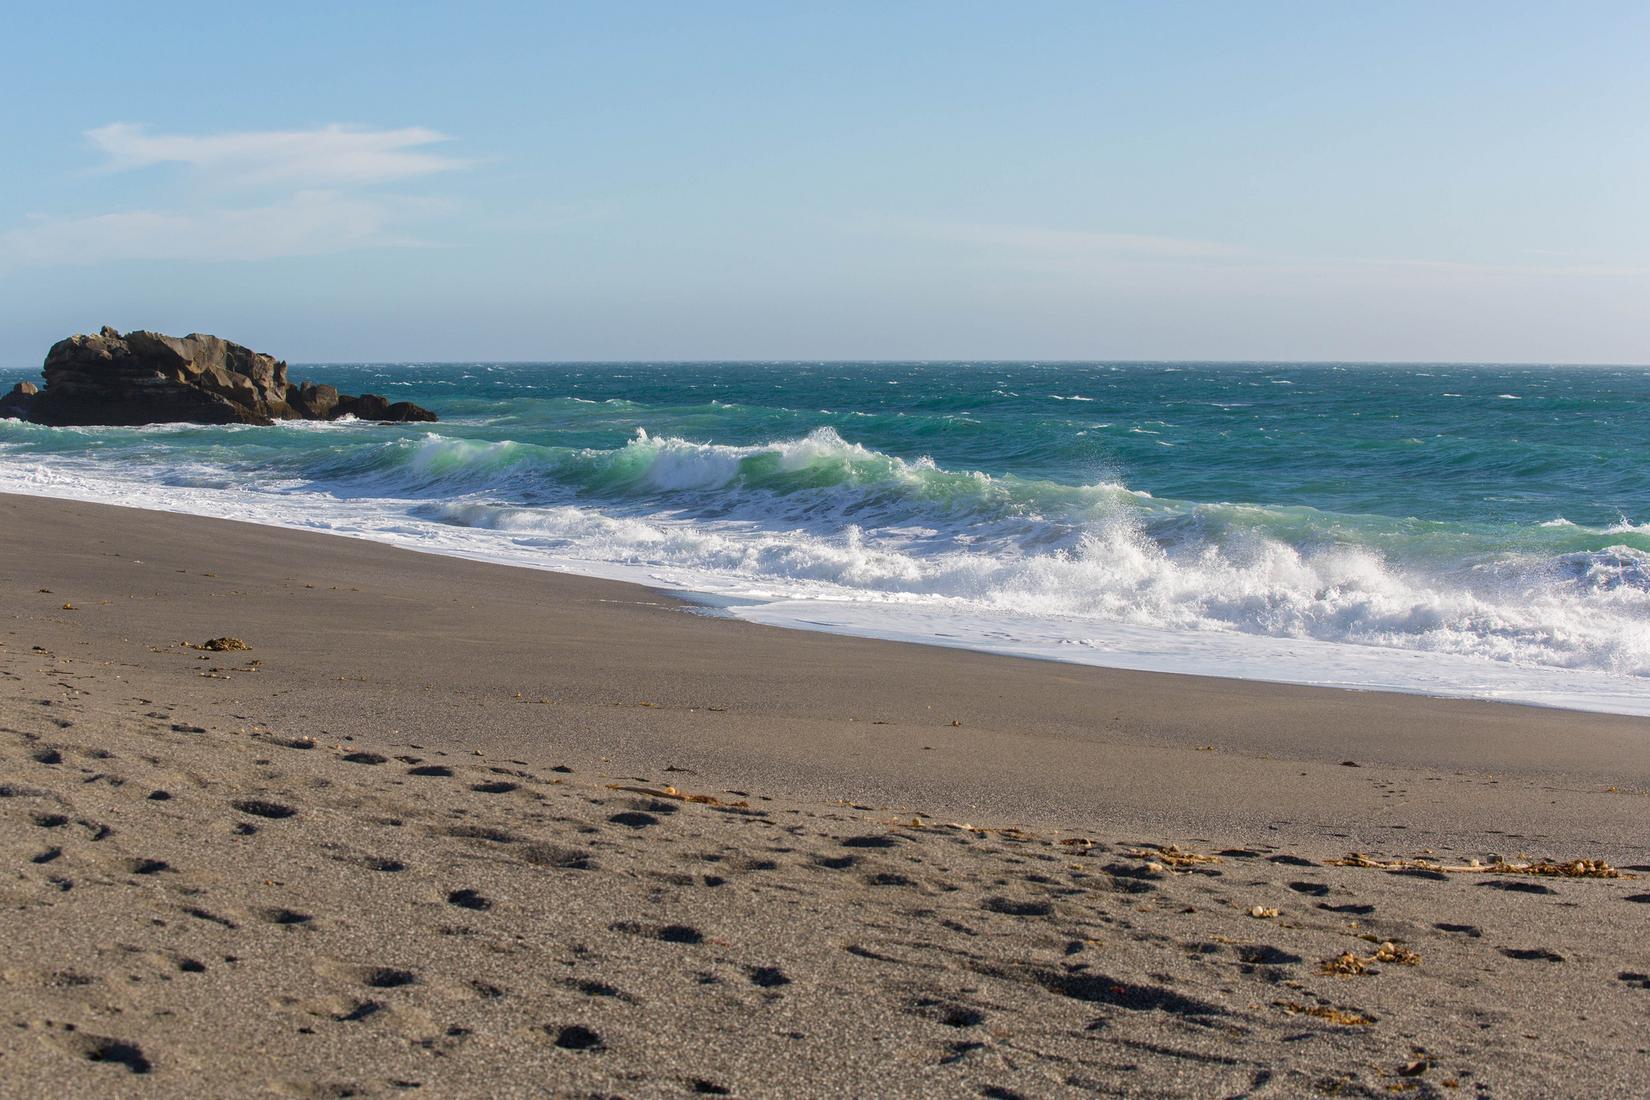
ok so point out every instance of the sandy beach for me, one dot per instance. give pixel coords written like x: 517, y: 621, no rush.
x: 448, y: 828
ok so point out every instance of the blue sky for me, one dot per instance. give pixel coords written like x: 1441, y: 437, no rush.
x: 1460, y: 181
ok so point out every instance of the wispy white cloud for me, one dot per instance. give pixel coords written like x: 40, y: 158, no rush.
x: 252, y: 195
x: 329, y: 156
x: 308, y: 223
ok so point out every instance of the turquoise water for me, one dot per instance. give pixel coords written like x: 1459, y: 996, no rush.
x: 1498, y: 515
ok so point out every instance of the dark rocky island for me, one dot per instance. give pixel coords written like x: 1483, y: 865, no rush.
x: 149, y: 378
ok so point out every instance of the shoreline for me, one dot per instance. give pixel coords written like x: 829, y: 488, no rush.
x: 1107, y: 719
x: 481, y: 830
x: 1148, y: 654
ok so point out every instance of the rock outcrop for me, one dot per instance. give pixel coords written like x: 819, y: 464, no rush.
x: 148, y: 378
x: 15, y: 405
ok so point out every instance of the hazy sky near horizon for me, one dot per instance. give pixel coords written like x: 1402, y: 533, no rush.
x: 1385, y: 181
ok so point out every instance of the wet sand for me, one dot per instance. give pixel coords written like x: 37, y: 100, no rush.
x: 423, y: 837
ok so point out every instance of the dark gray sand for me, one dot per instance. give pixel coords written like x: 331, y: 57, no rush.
x: 423, y: 839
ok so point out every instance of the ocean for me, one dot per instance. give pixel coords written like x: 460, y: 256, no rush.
x: 1478, y: 531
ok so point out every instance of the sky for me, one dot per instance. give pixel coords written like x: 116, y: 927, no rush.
x: 1465, y: 181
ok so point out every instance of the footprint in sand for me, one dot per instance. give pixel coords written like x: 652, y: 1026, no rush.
x: 480, y: 832
x: 375, y: 977
x: 835, y: 863
x: 1265, y: 955
x: 385, y: 977
x: 591, y: 988
x: 1130, y: 878
x: 470, y: 899
x: 888, y: 878
x: 876, y: 841
x: 102, y: 1048
x: 97, y: 829
x: 147, y: 866
x: 1098, y: 988
x: 947, y: 1012
x: 1352, y: 908
x: 553, y: 855
x: 668, y: 933
x: 1014, y: 907
x: 768, y: 977
x: 359, y: 1011
x: 577, y: 1037
x: 260, y: 808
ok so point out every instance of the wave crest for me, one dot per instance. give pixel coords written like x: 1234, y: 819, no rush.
x: 817, y: 516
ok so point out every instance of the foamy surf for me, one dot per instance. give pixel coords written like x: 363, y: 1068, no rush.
x: 818, y: 528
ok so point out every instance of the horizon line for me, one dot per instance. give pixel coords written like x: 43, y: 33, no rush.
x: 960, y: 360
x: 968, y: 361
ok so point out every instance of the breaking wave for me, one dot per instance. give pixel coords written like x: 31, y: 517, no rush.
x: 834, y: 519
x: 811, y: 515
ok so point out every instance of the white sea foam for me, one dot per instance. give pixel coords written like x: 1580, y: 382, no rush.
x: 1095, y: 574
